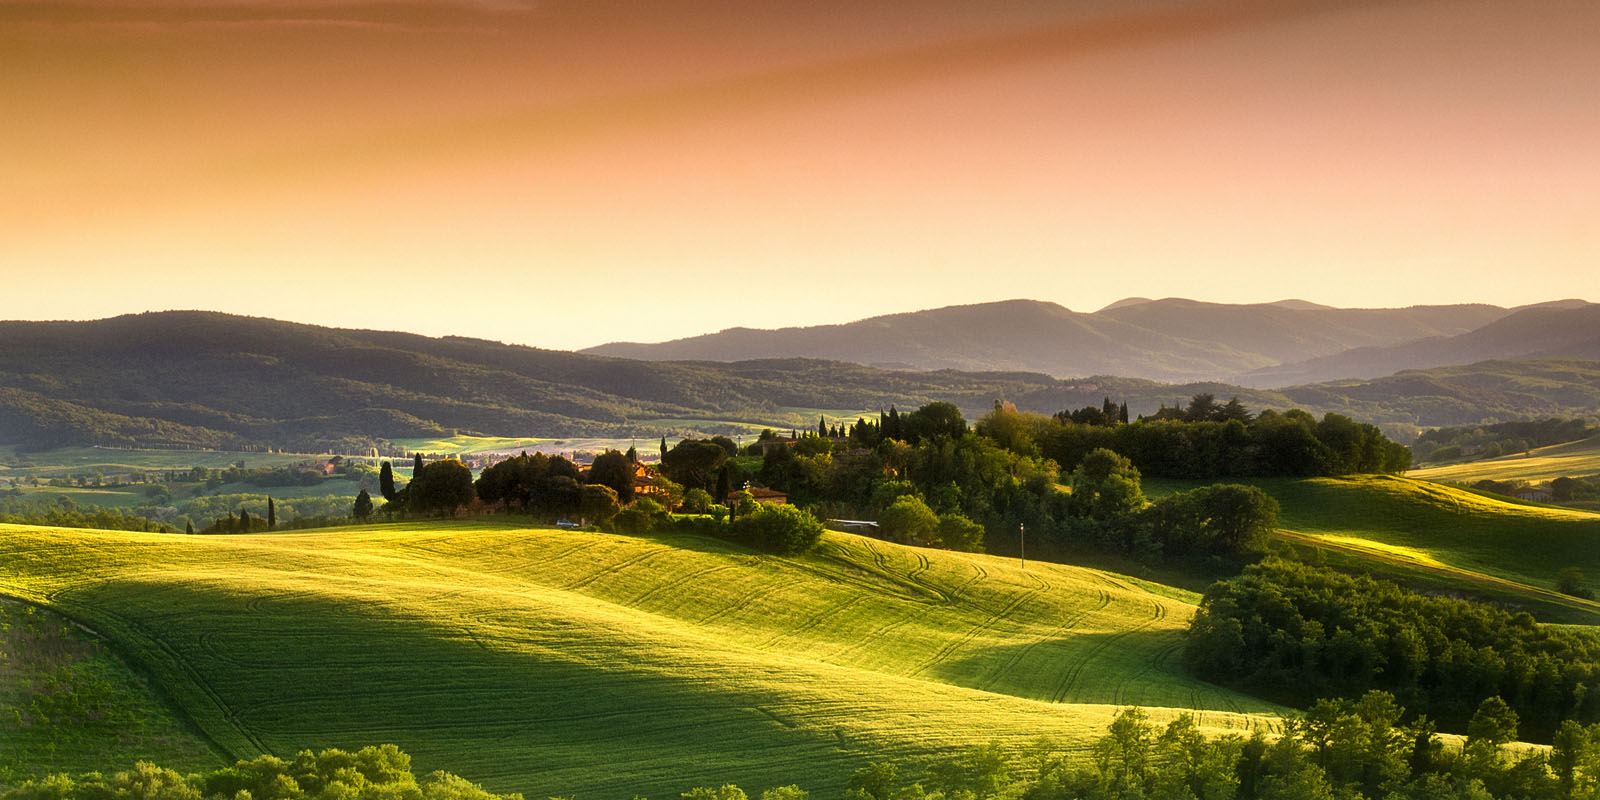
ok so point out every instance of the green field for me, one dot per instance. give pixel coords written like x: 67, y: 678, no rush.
x: 553, y: 662
x: 88, y: 460
x: 1572, y: 459
x: 1454, y: 537
x: 70, y: 705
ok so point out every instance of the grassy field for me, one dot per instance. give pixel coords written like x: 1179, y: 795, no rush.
x: 88, y: 460
x: 72, y: 706
x: 1447, y: 534
x: 1572, y: 459
x: 555, y: 662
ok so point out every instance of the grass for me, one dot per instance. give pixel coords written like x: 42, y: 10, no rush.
x: 88, y: 460
x: 1459, y: 538
x: 464, y: 444
x: 558, y: 662
x: 71, y: 706
x: 1571, y: 459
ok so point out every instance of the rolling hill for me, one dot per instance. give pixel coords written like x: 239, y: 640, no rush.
x: 1554, y: 331
x: 1579, y: 459
x: 556, y: 662
x: 1456, y: 539
x: 214, y: 381
x: 1168, y: 340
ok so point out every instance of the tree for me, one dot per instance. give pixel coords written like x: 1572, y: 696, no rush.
x: 724, y: 486
x: 598, y: 504
x: 693, y: 462
x: 633, y: 454
x: 934, y: 419
x: 1570, y: 580
x: 243, y: 524
x: 416, y: 465
x: 443, y: 485
x: 663, y: 448
x: 386, y: 482
x: 1234, y: 410
x: 363, y: 507
x: 613, y: 469
x: 908, y: 518
x: 1202, y: 408
x: 782, y: 529
x: 959, y: 533
x: 696, y: 501
x: 1494, y: 723
x: 188, y: 527
x: 272, y: 514
x: 822, y: 426
x: 728, y: 445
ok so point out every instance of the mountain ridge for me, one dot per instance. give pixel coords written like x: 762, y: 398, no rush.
x: 1170, y: 339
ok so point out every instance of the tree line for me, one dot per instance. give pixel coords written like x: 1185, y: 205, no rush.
x: 1295, y: 633
x: 1338, y: 750
x: 1206, y: 441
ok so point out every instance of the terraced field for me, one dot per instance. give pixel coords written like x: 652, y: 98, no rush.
x: 1572, y: 459
x: 554, y: 662
x: 1456, y: 536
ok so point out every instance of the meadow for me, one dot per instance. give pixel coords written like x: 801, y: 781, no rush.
x: 554, y: 662
x: 1451, y: 537
x: 1571, y: 459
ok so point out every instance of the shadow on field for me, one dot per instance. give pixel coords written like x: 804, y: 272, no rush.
x: 1138, y: 667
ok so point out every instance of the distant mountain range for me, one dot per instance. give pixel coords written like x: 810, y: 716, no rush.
x: 200, y: 379
x: 1262, y: 345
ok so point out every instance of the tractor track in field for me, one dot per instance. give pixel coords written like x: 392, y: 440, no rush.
x: 987, y: 625
x: 1102, y: 600
x: 618, y: 567
x: 814, y: 621
x: 1071, y: 676
x: 676, y: 582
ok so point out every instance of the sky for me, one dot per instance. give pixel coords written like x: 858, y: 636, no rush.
x: 563, y: 173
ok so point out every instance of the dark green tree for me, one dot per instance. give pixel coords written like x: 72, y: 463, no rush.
x: 188, y: 527
x: 243, y: 523
x: 633, y: 454
x: 724, y: 486
x: 386, y: 482
x: 363, y: 507
x: 694, y: 462
x: 441, y: 486
x: 613, y: 469
x: 272, y: 515
x: 416, y: 464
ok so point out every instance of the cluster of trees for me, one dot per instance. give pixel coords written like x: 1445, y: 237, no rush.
x: 1104, y: 415
x: 371, y: 772
x: 1107, y: 507
x: 1296, y: 633
x: 1338, y: 750
x: 1491, y: 441
x: 59, y: 511
x: 1268, y: 444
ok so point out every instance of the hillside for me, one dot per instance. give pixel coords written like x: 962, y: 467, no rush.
x: 1541, y: 332
x: 198, y: 380
x: 1570, y: 459
x: 553, y: 662
x: 1168, y: 340
x: 1508, y: 550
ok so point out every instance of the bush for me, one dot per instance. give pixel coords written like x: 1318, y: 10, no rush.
x: 781, y: 529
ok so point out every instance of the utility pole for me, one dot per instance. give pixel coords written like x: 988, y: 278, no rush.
x: 1022, y: 544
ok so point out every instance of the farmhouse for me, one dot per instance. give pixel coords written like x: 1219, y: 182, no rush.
x: 1534, y: 494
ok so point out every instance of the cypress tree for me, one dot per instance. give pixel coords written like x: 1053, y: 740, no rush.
x: 822, y: 426
x: 663, y: 448
x: 633, y: 454
x: 243, y: 523
x: 272, y: 514
x: 188, y: 527
x: 1109, y: 409
x: 386, y: 482
x: 363, y: 506
x: 416, y: 466
x: 1122, y: 416
x: 724, y: 485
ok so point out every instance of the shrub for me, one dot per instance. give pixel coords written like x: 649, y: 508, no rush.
x: 781, y: 529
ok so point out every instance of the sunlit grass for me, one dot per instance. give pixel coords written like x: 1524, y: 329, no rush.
x: 553, y: 662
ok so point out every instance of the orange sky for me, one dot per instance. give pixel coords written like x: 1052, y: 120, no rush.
x: 563, y: 173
